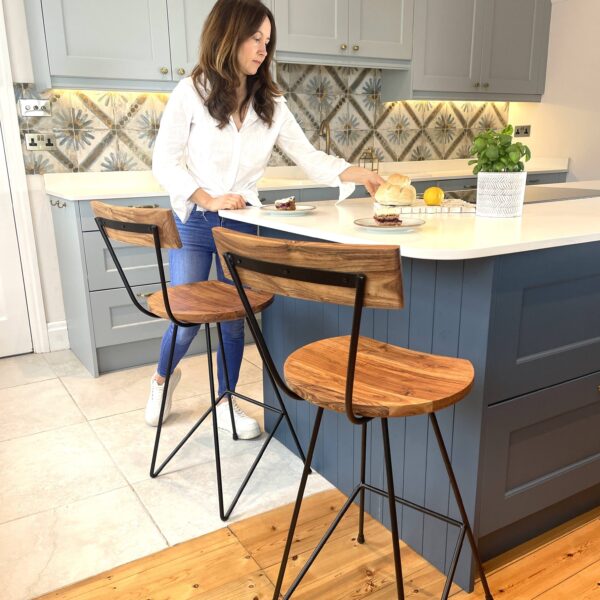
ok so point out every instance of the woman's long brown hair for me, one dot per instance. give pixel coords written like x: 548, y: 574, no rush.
x: 216, y: 76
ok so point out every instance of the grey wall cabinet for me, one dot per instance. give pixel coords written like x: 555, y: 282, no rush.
x: 476, y: 49
x: 110, y: 39
x: 138, y: 44
x: 344, y: 32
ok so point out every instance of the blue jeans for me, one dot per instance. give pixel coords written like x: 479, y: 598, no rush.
x: 192, y: 263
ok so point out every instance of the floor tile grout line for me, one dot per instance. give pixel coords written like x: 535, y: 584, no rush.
x: 10, y: 387
x: 74, y: 501
x: 130, y: 485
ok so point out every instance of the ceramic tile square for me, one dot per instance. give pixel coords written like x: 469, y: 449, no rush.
x: 360, y: 110
x: 36, y: 407
x: 306, y: 110
x: 64, y: 362
x: 130, y: 441
x: 52, y: 549
x: 193, y: 491
x: 53, y: 468
x: 281, y: 76
x: 444, y: 128
x: 334, y: 79
x: 92, y: 110
x: 20, y: 370
x: 302, y: 78
x: 460, y: 146
x: 279, y: 158
x: 123, y: 391
x: 128, y: 106
x: 149, y: 114
x: 94, y: 147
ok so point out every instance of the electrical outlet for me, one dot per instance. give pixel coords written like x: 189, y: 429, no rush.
x: 522, y: 130
x: 32, y: 107
x: 40, y: 141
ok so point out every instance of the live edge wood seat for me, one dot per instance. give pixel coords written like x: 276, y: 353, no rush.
x: 206, y: 302
x: 389, y: 381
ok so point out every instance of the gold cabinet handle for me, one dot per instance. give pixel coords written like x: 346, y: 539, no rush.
x: 181, y: 71
x: 486, y: 85
x: 344, y: 47
x: 164, y: 70
x: 356, y: 47
x: 476, y: 84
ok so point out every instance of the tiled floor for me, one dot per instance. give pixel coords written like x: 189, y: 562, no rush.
x: 75, y: 494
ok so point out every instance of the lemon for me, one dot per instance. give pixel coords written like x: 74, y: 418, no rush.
x: 433, y: 196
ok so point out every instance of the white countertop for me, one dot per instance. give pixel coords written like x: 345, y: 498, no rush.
x: 448, y: 236
x: 141, y: 184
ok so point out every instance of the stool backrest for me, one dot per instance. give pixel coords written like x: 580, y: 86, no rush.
x: 120, y: 216
x: 380, y: 265
x: 151, y: 227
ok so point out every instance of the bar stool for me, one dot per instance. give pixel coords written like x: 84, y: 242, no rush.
x: 200, y: 303
x: 355, y: 375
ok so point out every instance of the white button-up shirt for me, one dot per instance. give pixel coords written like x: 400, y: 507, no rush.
x: 192, y: 152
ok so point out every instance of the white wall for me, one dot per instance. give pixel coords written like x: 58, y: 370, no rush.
x: 22, y: 72
x: 18, y: 42
x: 567, y: 121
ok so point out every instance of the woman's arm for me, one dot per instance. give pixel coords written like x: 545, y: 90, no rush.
x: 321, y: 167
x: 369, y: 179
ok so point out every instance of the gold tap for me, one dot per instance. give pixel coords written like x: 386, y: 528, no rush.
x: 325, y: 131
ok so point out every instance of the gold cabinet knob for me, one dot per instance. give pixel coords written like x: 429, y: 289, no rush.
x: 356, y: 47
x: 476, y: 84
x: 344, y: 47
x: 181, y: 71
x: 486, y: 85
x: 164, y: 70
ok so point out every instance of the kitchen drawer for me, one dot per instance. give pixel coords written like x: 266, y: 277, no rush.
x: 545, y: 178
x: 138, y: 262
x: 448, y: 185
x: 527, y: 464
x: 117, y: 321
x: 87, y: 216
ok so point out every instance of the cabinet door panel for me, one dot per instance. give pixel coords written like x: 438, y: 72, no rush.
x: 448, y: 38
x: 314, y: 26
x: 186, y: 19
x: 515, y: 46
x: 388, y: 37
x: 112, y: 39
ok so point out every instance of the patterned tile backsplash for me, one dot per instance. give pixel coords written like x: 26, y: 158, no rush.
x: 115, y: 131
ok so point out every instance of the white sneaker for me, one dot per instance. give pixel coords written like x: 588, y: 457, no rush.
x: 152, y: 413
x: 246, y: 427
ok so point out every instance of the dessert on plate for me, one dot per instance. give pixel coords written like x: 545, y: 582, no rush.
x: 286, y: 203
x: 391, y: 196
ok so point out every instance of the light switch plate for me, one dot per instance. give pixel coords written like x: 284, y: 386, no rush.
x: 32, y: 107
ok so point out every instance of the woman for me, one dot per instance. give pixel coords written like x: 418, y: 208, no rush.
x: 215, y: 139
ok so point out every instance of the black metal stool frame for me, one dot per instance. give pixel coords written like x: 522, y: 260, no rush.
x: 104, y: 224
x: 357, y: 281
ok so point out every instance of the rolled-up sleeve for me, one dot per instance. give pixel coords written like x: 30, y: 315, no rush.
x: 319, y: 166
x: 169, y: 158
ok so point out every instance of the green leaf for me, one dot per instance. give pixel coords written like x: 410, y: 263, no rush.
x: 492, y: 152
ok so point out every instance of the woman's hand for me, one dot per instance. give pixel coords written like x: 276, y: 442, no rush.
x: 361, y: 176
x: 215, y: 203
x: 226, y: 202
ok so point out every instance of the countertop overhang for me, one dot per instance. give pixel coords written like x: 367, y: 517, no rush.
x: 142, y: 184
x: 453, y: 236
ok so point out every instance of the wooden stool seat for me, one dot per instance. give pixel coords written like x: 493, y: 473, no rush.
x: 389, y: 381
x: 206, y: 302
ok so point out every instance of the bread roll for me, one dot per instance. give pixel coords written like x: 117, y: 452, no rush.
x: 394, y: 195
x: 399, y: 179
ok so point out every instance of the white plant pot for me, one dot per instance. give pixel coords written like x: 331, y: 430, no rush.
x: 500, y: 194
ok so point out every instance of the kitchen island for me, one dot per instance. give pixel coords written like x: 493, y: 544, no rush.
x: 520, y: 298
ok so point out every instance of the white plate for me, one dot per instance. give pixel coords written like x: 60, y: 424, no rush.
x: 404, y: 227
x: 301, y: 209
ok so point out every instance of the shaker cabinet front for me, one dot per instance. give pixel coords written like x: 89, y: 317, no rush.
x: 481, y: 46
x: 347, y: 30
x: 110, y: 39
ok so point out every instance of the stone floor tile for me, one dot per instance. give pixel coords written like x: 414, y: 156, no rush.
x: 50, y: 469
x: 20, y: 370
x: 55, y: 548
x: 36, y: 407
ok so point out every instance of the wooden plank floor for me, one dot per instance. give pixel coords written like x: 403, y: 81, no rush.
x: 241, y: 562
